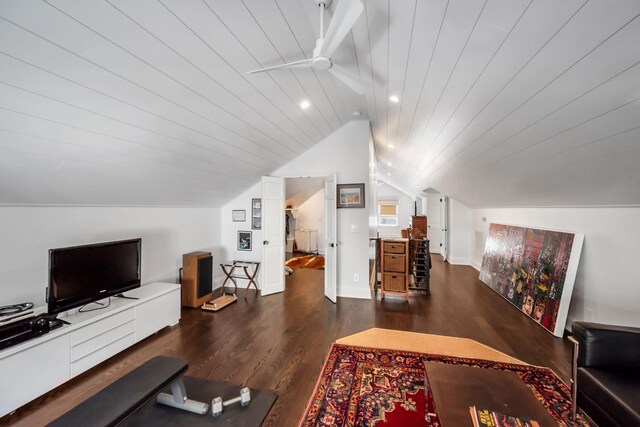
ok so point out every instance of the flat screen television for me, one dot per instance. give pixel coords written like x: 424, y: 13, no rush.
x: 80, y: 275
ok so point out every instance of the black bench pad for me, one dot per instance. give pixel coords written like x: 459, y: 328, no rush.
x: 116, y: 402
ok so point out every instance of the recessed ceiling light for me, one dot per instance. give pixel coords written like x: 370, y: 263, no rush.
x: 356, y: 113
x: 389, y: 173
x: 388, y: 163
x: 390, y: 145
x: 305, y: 104
x: 394, y: 98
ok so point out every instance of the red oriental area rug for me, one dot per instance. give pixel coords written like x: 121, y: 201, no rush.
x: 377, y: 387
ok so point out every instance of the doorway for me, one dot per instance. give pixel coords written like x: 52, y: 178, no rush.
x: 307, y: 229
x: 275, y: 222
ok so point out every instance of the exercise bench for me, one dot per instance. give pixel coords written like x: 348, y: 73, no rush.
x: 120, y: 400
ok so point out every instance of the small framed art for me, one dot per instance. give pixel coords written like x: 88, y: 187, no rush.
x: 351, y: 195
x: 239, y: 215
x: 244, y: 240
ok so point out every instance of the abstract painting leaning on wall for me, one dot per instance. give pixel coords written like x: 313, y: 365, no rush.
x: 534, y: 270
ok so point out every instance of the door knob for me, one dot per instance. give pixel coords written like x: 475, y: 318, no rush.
x: 331, y: 245
x: 265, y: 242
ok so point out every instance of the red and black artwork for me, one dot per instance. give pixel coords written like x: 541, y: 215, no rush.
x: 534, y: 270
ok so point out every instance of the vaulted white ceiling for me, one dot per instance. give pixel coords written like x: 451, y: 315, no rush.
x: 146, y: 102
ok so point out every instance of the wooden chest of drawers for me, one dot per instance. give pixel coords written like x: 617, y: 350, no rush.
x: 395, y: 267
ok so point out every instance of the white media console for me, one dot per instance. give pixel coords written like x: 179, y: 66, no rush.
x: 34, y: 367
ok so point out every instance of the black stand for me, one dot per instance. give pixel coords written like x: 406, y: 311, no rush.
x: 125, y: 297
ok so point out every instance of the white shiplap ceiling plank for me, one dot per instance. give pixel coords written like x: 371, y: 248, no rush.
x: 122, y: 41
x: 360, y: 41
x: 37, y: 106
x: 533, y: 32
x: 400, y: 42
x: 459, y: 22
x: 119, y: 164
x: 377, y: 16
x: 97, y: 50
x: 430, y: 17
x: 569, y: 47
x: 31, y: 125
x: 33, y: 50
x: 184, y: 36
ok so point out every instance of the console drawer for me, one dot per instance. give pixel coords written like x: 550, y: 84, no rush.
x: 394, y: 282
x: 101, y: 326
x: 395, y: 263
x: 103, y: 340
x: 100, y: 355
x: 394, y: 248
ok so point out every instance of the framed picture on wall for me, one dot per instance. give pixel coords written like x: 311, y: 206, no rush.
x: 244, y: 240
x: 350, y: 195
x: 239, y: 215
x: 256, y: 214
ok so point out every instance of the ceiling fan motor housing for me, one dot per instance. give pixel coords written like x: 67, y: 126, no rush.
x: 319, y: 3
x: 322, y: 63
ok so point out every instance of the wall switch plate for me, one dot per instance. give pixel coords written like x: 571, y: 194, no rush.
x: 355, y: 228
x: 356, y: 277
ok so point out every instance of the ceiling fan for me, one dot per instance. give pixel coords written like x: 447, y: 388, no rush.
x: 344, y: 17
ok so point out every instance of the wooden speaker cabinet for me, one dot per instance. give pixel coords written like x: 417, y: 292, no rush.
x: 197, y: 278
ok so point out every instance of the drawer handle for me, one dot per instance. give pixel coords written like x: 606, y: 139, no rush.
x: 394, y: 277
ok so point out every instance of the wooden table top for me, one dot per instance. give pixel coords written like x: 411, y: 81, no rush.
x: 455, y: 388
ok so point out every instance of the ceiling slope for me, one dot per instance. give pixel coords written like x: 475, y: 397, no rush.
x: 113, y: 102
x: 147, y: 102
x: 511, y: 103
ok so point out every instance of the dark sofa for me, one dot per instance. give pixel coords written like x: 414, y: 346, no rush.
x: 606, y: 373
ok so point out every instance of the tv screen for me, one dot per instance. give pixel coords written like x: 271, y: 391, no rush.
x: 82, y: 274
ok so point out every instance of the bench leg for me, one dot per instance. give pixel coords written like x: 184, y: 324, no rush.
x: 178, y: 399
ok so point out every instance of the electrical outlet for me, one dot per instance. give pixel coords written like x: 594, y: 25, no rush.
x: 356, y: 277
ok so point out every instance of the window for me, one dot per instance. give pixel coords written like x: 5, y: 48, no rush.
x: 388, y: 214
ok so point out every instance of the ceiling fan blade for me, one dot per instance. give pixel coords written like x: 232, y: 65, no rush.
x: 352, y: 80
x: 345, y: 15
x: 305, y: 63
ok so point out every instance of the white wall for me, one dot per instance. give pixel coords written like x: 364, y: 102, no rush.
x: 388, y: 193
x: 345, y: 152
x: 29, y: 232
x: 310, y: 216
x: 607, y: 287
x: 459, y: 239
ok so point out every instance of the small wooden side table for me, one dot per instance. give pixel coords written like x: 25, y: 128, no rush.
x: 246, y: 270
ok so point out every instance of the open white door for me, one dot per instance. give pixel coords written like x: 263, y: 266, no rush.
x: 434, y: 222
x: 331, y: 237
x: 273, y: 238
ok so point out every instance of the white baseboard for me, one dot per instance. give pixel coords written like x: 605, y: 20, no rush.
x: 459, y: 261
x: 354, y: 292
x: 476, y: 265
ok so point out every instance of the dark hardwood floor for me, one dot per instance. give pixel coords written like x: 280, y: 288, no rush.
x: 279, y: 342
